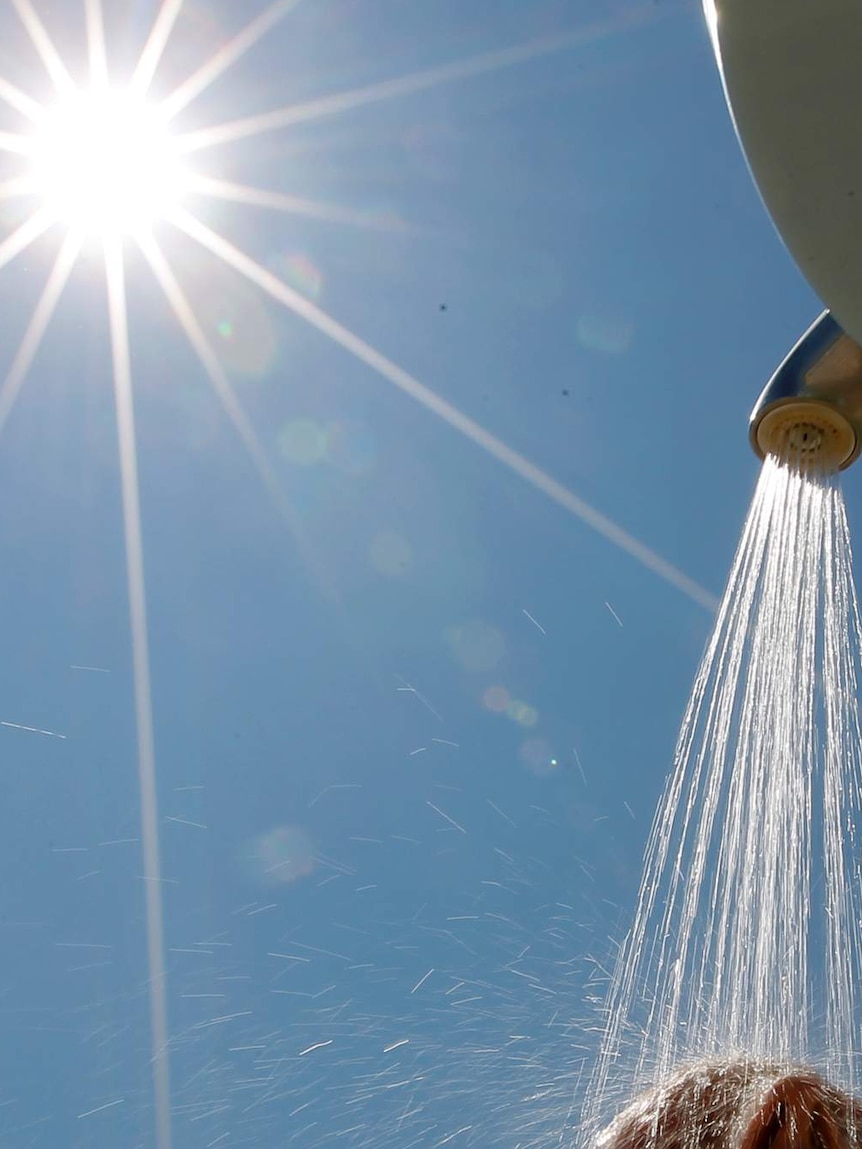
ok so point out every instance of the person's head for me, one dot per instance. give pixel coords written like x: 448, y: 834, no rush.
x: 738, y: 1105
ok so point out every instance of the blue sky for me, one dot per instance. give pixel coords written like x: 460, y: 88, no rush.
x: 419, y: 721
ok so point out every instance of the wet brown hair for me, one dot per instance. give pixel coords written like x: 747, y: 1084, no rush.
x: 738, y: 1105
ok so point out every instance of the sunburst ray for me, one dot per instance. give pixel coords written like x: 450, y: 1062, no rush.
x: 456, y: 419
x: 110, y: 231
x: 38, y: 324
x: 421, y: 81
x: 14, y: 188
x: 44, y: 45
x: 23, y: 236
x: 157, y: 41
x: 226, y: 56
x: 20, y: 101
x: 96, y: 49
x: 281, y: 201
x: 201, y: 346
x: 127, y: 444
x: 14, y: 143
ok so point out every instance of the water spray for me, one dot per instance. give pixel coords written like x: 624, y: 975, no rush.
x: 742, y: 971
x: 810, y: 412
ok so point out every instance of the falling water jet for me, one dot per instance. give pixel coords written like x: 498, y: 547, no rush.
x: 746, y: 949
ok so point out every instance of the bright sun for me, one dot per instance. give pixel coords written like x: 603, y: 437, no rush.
x: 106, y: 164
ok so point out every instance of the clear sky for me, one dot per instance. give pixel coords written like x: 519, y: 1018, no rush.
x: 412, y: 709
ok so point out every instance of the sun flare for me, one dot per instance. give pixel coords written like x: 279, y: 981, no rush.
x: 105, y: 163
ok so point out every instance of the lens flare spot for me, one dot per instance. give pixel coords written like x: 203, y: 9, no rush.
x: 246, y: 337
x: 607, y: 335
x: 522, y: 713
x: 390, y: 554
x: 496, y: 699
x: 303, y: 442
x: 538, y: 757
x: 300, y: 272
x: 476, y: 645
x: 281, y: 856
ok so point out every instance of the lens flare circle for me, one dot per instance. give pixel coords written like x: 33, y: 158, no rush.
x: 105, y: 163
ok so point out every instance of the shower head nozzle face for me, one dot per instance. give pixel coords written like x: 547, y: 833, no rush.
x: 810, y: 412
x: 805, y: 439
x: 807, y: 433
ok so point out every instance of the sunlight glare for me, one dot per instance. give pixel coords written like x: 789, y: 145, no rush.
x: 105, y: 163
x: 109, y: 165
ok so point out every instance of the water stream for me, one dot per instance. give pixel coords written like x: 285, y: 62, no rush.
x: 747, y: 938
